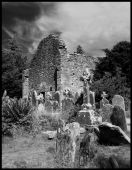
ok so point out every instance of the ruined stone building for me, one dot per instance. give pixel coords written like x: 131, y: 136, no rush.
x: 53, y: 69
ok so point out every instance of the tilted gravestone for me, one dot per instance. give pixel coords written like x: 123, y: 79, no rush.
x: 76, y: 97
x: 118, y: 100
x: 106, y: 112
x: 118, y: 117
x: 109, y: 134
x: 103, y: 102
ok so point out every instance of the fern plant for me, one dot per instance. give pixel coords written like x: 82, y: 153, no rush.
x: 15, y: 112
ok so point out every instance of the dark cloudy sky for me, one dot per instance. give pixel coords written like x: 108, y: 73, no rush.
x: 94, y: 25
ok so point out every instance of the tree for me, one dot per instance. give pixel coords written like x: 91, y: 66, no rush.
x: 112, y: 73
x: 112, y: 85
x: 119, y: 57
x: 13, y: 64
x: 80, y: 50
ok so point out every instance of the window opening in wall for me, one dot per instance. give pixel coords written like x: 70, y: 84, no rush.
x: 55, y: 78
x: 50, y: 88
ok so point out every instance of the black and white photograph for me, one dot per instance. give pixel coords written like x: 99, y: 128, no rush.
x: 66, y: 85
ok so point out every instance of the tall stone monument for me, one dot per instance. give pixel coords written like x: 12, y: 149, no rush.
x: 25, y: 90
x: 85, y: 115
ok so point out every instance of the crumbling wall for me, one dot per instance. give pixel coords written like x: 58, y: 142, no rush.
x: 52, y: 67
x: 25, y: 89
x: 72, y: 69
x: 45, y: 67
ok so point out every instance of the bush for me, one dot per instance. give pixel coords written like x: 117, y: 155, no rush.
x: 112, y: 85
x: 15, y: 113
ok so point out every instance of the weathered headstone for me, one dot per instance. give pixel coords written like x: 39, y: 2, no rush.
x: 48, y: 96
x: 67, y: 106
x: 106, y: 112
x: 92, y: 98
x: 109, y: 134
x: 5, y: 93
x: 86, y: 78
x: 76, y: 97
x: 49, y: 134
x: 103, y: 102
x: 41, y: 108
x: 118, y: 118
x: 119, y: 101
x: 85, y: 117
x: 56, y: 96
x: 34, y: 99
x: 55, y: 106
x: 49, y: 106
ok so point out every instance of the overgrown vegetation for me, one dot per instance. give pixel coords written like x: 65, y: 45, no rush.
x: 112, y: 73
x: 16, y: 113
x: 13, y: 64
x: 80, y: 50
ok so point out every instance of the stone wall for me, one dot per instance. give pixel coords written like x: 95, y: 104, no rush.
x: 25, y: 90
x: 52, y: 67
x: 72, y: 69
x: 45, y: 66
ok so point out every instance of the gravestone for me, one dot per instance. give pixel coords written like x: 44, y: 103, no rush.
x: 103, y: 102
x: 118, y: 117
x: 85, y: 117
x: 92, y: 98
x: 106, y: 112
x: 48, y: 96
x: 41, y: 108
x: 49, y: 106
x: 118, y: 100
x: 67, y: 106
x: 56, y: 96
x: 55, y: 106
x: 76, y: 97
x: 34, y: 99
x: 111, y: 135
x: 4, y: 94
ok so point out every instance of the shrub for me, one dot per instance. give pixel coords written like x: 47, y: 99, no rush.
x: 112, y: 85
x: 15, y: 113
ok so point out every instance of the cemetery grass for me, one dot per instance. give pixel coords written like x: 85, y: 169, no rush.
x: 39, y: 152
x: 28, y: 152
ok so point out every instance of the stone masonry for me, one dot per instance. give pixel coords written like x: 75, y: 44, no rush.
x: 53, y: 69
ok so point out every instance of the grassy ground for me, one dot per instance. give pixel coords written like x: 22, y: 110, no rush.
x: 39, y: 152
x: 25, y: 152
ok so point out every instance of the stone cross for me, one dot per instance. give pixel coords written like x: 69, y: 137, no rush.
x: 104, y: 95
x: 104, y: 101
x: 86, y: 78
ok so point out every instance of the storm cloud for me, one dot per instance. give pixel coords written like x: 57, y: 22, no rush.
x: 93, y: 25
